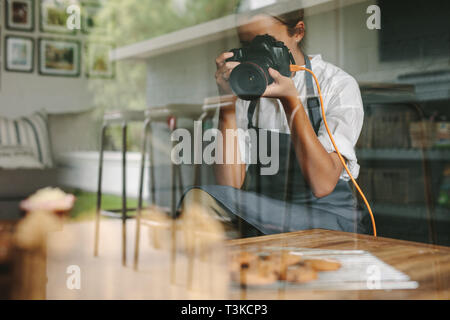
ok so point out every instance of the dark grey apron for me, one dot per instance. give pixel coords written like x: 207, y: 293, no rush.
x: 284, y: 202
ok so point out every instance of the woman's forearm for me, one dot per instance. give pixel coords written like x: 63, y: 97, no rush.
x: 320, y: 168
x: 230, y: 173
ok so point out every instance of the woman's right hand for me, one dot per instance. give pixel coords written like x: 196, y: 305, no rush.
x: 223, y: 72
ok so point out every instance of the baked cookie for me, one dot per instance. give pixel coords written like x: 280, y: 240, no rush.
x: 323, y: 264
x: 251, y: 277
x: 283, y: 257
x: 242, y: 260
x: 301, y: 273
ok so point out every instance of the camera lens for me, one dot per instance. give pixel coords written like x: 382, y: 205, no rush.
x: 248, y: 81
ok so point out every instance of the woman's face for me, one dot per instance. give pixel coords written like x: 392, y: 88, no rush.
x: 264, y: 24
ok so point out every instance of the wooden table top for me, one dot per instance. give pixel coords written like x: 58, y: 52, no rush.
x: 429, y: 265
x: 104, y: 277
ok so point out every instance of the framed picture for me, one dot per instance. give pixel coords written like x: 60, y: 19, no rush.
x: 53, y: 16
x: 97, y: 62
x: 19, y: 15
x: 19, y: 54
x: 59, y: 57
x: 89, y: 22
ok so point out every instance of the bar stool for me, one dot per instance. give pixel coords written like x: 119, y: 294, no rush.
x: 170, y: 114
x: 122, y: 118
x: 210, y: 106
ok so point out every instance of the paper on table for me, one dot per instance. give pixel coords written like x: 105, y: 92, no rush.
x: 360, y: 270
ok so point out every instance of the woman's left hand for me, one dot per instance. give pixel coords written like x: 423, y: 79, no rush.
x: 282, y: 88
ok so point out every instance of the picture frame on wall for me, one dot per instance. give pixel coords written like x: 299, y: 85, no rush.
x: 53, y: 16
x: 19, y: 54
x: 89, y: 21
x: 19, y: 15
x: 59, y: 57
x: 97, y: 62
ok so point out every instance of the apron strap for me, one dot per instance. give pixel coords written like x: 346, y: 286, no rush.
x: 312, y: 101
x: 251, y: 112
x: 315, y: 117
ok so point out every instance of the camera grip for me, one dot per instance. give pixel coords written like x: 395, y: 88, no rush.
x: 237, y: 56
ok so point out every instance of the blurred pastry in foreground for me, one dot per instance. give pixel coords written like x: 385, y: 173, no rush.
x: 285, y: 258
x: 253, y: 278
x: 49, y: 200
x: 301, y: 274
x: 323, y: 264
x: 249, y: 268
x: 242, y: 260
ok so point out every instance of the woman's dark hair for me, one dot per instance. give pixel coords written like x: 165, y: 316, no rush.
x: 290, y: 19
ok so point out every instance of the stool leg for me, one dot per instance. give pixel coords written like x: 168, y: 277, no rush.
x: 141, y: 186
x: 152, y: 167
x: 124, y: 193
x: 197, y: 167
x: 180, y: 181
x: 173, y: 231
x: 197, y: 175
x: 99, y: 191
x: 173, y: 189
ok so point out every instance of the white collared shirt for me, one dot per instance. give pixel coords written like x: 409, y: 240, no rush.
x: 343, y: 109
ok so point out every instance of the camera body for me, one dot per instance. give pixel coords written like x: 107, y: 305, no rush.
x: 251, y: 77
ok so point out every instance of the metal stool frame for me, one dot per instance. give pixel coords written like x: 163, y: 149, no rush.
x: 122, y: 118
x: 158, y: 115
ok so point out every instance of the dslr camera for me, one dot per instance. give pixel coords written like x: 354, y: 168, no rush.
x: 251, y: 77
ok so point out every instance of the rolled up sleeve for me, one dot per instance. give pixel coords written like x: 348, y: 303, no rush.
x: 345, y: 115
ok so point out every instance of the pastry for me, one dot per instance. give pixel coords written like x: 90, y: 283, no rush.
x: 201, y: 230
x: 252, y: 269
x: 281, y: 261
x: 283, y: 257
x: 302, y: 273
x: 243, y: 260
x: 50, y: 200
x: 253, y: 277
x: 266, y: 268
x: 323, y: 264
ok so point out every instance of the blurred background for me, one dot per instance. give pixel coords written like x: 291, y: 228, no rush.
x: 57, y: 85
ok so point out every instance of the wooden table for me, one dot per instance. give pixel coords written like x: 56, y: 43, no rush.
x: 104, y: 277
x: 429, y: 265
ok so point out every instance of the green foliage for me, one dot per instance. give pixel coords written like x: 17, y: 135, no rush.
x: 132, y: 21
x: 85, y: 204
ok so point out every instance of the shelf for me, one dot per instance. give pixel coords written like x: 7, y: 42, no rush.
x: 382, y: 93
x: 411, y: 211
x: 403, y: 154
x: 215, y: 30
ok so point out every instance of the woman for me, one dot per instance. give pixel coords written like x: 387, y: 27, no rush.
x: 310, y: 189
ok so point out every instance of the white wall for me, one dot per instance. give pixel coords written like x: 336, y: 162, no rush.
x: 22, y: 93
x: 340, y: 35
x: 185, y: 76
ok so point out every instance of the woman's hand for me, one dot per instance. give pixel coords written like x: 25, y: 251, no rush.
x: 282, y: 88
x: 223, y: 72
